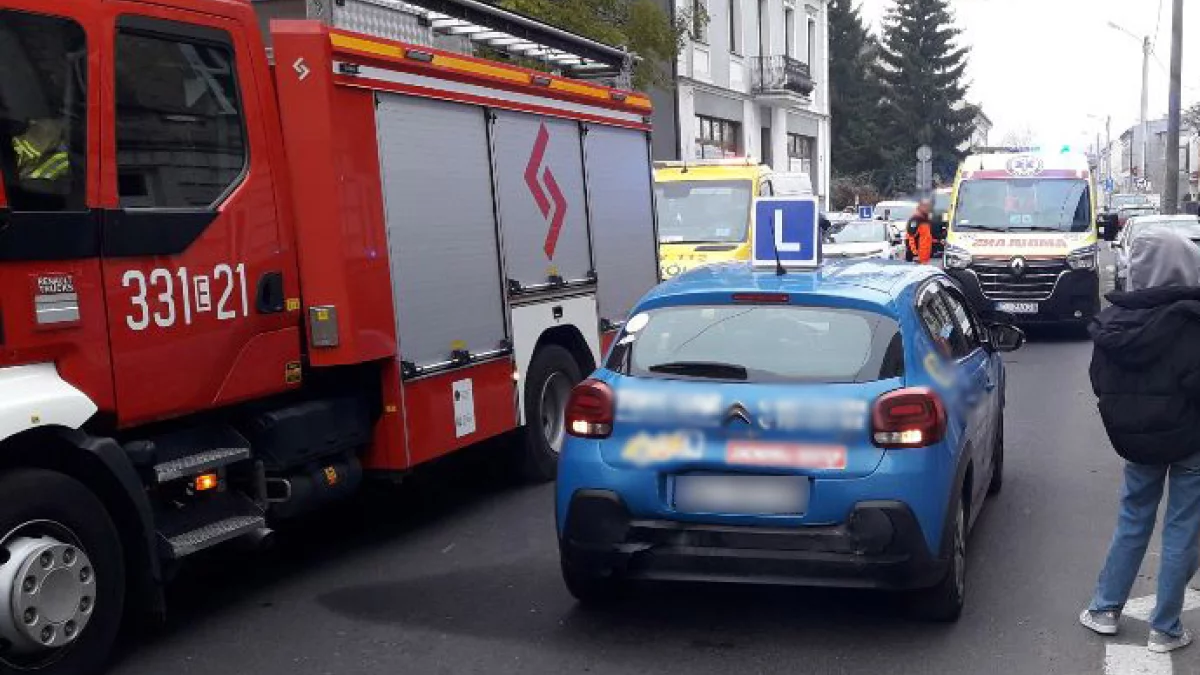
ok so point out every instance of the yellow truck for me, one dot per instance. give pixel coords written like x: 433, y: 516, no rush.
x: 704, y: 209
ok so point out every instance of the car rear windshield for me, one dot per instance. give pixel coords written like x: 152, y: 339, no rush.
x: 760, y: 343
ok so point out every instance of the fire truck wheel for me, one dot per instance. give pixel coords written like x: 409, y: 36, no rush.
x: 552, y: 374
x: 62, y: 576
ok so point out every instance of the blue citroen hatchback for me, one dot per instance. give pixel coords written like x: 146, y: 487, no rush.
x: 832, y: 427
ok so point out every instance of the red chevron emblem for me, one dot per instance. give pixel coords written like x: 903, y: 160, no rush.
x: 541, y: 181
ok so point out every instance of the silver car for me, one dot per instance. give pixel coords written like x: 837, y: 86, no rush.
x: 1187, y: 225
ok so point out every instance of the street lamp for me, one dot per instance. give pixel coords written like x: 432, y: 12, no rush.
x: 1146, y: 51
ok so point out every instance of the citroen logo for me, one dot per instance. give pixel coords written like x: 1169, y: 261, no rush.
x: 1018, y: 267
x: 737, y: 413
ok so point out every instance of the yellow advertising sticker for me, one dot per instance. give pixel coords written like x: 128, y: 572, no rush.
x: 646, y: 448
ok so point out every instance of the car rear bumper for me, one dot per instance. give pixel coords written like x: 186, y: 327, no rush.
x: 880, y: 546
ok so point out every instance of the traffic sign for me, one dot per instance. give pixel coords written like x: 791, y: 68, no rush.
x: 1108, y: 185
x: 786, y: 230
x: 866, y: 212
x: 924, y: 153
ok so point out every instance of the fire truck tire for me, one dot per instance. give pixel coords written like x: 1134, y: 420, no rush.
x: 552, y: 374
x: 62, y: 576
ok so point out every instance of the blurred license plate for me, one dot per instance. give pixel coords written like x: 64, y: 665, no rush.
x: 1017, y: 307
x: 766, y: 495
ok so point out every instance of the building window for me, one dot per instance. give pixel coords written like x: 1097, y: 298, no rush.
x: 717, y: 138
x: 735, y: 21
x: 800, y: 155
x: 812, y: 41
x: 700, y: 20
x: 789, y: 32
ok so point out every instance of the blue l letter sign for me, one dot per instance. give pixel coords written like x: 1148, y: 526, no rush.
x: 786, y: 228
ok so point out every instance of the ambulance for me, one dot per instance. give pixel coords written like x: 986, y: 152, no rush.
x: 704, y: 209
x: 1023, y: 237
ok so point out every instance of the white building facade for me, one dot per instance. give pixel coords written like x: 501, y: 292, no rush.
x: 753, y: 82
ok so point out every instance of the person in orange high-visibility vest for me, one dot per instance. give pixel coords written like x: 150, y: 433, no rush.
x: 919, y: 233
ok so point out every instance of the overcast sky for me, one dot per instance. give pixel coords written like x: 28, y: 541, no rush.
x: 1049, y: 64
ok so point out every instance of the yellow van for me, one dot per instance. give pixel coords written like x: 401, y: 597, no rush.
x: 704, y: 211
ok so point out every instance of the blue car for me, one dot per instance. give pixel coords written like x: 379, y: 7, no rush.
x: 831, y: 427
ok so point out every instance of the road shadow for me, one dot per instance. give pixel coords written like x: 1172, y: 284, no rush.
x: 1056, y: 333
x: 213, y: 582
x: 648, y: 618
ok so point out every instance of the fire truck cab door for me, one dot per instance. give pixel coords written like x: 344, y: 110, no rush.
x: 195, y: 263
x: 51, y: 297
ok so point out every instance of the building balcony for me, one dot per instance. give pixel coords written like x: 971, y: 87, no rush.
x: 781, y: 79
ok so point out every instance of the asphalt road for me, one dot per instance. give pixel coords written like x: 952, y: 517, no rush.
x: 458, y: 574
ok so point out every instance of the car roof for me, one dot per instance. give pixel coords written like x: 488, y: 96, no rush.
x: 865, y: 284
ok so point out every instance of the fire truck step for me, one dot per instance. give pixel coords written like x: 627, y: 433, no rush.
x: 212, y: 534
x: 200, y: 462
x: 188, y: 452
x: 208, y: 521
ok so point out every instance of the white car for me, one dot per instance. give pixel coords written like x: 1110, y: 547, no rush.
x: 862, y: 239
x: 1188, y: 226
x: 896, y: 213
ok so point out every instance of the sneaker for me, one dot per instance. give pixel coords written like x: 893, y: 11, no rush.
x: 1103, y: 622
x: 1161, y: 643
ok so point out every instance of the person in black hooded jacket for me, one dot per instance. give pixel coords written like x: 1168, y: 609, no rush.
x: 1146, y: 373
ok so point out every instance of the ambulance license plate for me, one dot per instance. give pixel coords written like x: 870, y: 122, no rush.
x: 1017, y: 307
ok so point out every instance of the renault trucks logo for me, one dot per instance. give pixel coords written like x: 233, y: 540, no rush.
x: 1025, y: 165
x: 545, y: 191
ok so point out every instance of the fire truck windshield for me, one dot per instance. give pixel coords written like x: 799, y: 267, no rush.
x: 1023, y: 205
x: 703, y: 211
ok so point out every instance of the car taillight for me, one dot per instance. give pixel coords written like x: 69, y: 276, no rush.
x: 590, y: 410
x: 908, y: 418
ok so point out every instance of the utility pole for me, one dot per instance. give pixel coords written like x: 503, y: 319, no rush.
x: 1146, y: 48
x: 1108, y: 152
x: 1171, y: 188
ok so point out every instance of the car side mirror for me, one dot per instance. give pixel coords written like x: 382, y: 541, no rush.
x: 1006, y: 337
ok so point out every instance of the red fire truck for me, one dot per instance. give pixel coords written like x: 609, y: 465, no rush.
x: 234, y: 281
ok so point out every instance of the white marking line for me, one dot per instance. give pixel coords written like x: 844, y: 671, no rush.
x: 1140, y: 608
x: 1135, y: 659
x: 1122, y: 659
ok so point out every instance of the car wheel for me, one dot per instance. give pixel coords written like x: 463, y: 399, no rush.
x: 997, y: 482
x: 944, y: 602
x: 548, y: 383
x: 591, y: 589
x: 62, y: 576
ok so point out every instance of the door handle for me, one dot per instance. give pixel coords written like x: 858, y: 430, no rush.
x: 269, y: 297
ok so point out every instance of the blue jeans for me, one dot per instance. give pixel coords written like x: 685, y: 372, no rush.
x: 1180, y: 539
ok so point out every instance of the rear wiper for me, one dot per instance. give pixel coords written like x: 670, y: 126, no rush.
x: 711, y: 369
